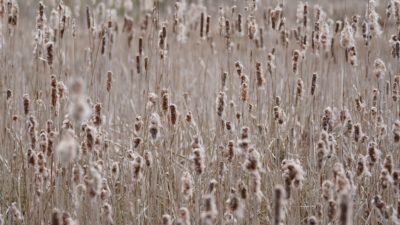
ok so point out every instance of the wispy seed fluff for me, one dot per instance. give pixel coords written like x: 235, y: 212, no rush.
x: 198, y: 159
x: 187, y: 185
x: 235, y: 203
x: 293, y: 175
x: 379, y: 68
x: 327, y: 190
x: 373, y: 152
x: 68, y: 148
x: 137, y: 167
x: 166, y: 219
x: 210, y: 212
x: 385, y: 178
x: 362, y: 168
x: 93, y: 182
x: 301, y: 14
x: 183, y: 216
x: 154, y: 126
x: 15, y: 213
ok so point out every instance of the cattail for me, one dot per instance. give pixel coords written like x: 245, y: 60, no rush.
x: 49, y: 52
x: 345, y: 209
x: 138, y: 64
x: 313, y: 83
x: 271, y: 62
x: 31, y: 156
x: 106, y: 214
x: 32, y: 125
x: 379, y: 68
x: 388, y: 163
x: 137, y: 168
x: 115, y: 171
x: 198, y: 160
x: 293, y: 175
x: 173, y: 114
x: 8, y: 95
x: 26, y: 104
x: 373, y: 152
x: 97, y: 118
x: 276, y: 17
x: 43, y: 141
x: 252, y: 163
x: 321, y: 154
x: 385, y: 178
x: 239, y: 68
x: 395, y: 88
x: 381, y: 206
x: 166, y: 219
x: 230, y: 151
x: 244, y: 141
x: 154, y: 126
x: 13, y: 11
x: 220, y: 103
x: 15, y: 213
x: 295, y: 59
x: 210, y: 212
x: 244, y: 91
x: 184, y: 216
x: 187, y: 185
x: 299, y: 90
x: 396, y: 131
x: 208, y: 21
x: 201, y: 24
x: 259, y: 75
x: 357, y: 132
x: 279, y: 205
x: 396, y: 180
x: 164, y: 100
x: 327, y: 190
x: 68, y: 148
x: 88, y: 18
x: 326, y: 120
x: 148, y: 158
x: 312, y: 220
x: 331, y: 210
x: 301, y: 14
x: 362, y: 166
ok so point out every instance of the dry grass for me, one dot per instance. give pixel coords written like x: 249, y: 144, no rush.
x: 206, y: 113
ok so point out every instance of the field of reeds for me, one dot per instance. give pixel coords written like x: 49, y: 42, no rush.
x: 178, y: 112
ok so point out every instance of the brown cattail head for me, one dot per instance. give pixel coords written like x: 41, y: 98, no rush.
x: 345, y: 209
x: 166, y: 219
x: 173, y: 114
x: 164, y: 100
x: 259, y: 75
x: 50, y: 53
x: 379, y: 68
x: 279, y: 205
x: 109, y: 81
x: 26, y: 102
x: 313, y: 83
x: 220, y: 103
